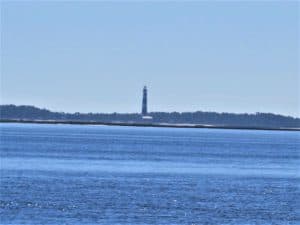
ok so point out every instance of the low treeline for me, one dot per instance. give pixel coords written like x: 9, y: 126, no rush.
x: 10, y: 112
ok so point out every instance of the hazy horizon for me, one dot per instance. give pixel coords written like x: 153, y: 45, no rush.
x: 139, y: 112
x: 236, y: 57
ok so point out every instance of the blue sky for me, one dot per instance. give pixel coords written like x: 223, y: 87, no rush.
x: 97, y: 56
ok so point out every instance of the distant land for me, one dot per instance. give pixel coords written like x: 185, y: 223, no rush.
x: 25, y: 113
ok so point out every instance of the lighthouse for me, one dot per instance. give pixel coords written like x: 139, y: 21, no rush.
x: 144, y: 105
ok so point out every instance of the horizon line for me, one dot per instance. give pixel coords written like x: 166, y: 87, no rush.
x: 236, y: 113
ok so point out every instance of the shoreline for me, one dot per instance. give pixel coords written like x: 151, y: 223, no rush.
x: 135, y: 124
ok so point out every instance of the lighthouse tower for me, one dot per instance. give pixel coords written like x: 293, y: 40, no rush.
x: 144, y: 104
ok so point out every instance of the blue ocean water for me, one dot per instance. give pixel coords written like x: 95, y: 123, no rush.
x: 73, y: 174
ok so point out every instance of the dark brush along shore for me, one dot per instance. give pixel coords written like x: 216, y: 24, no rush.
x: 199, y: 119
x: 146, y: 125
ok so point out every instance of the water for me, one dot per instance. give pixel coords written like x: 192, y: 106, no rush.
x: 71, y: 174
